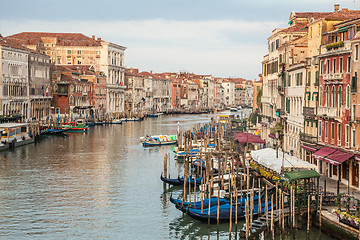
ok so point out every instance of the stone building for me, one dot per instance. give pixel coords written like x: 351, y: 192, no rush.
x: 39, y: 86
x: 78, y: 49
x: 14, y: 79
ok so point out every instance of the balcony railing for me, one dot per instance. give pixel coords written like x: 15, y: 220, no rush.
x: 308, y: 138
x: 330, y: 112
x: 309, y: 111
x: 281, y: 89
x: 333, y: 77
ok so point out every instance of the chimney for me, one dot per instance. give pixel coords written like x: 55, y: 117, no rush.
x: 336, y: 7
x: 93, y: 37
x: 99, y: 39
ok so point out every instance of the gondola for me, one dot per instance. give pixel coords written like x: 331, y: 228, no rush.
x: 224, y: 212
x: 175, y: 181
x: 192, y: 180
x: 213, y: 202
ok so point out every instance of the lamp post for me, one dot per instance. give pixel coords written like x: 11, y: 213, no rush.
x: 277, y: 144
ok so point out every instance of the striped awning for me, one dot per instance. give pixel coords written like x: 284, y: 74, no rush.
x: 323, y: 152
x: 311, y: 149
x: 338, y: 157
x: 343, y: 29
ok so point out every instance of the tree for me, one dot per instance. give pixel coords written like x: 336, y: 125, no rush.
x: 258, y: 98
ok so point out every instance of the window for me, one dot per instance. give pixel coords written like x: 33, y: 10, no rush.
x: 319, y: 128
x: 328, y: 66
x: 354, y: 137
x: 326, y: 130
x: 340, y: 96
x: 354, y: 111
x: 334, y: 65
x: 356, y: 52
x: 321, y: 67
x: 339, y: 134
x: 333, y: 97
x: 68, y: 51
x: 309, y: 79
x: 79, y: 52
x: 317, y: 78
x: 348, y: 97
x: 341, y: 65
x: 354, y: 82
x: 327, y: 96
x: 347, y: 135
x: 349, y: 64
x: 332, y: 131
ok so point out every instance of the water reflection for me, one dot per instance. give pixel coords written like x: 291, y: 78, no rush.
x: 102, y: 184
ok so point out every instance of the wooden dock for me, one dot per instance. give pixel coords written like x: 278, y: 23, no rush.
x: 262, y: 223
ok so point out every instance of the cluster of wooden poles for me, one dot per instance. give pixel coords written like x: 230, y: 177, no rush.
x: 240, y: 181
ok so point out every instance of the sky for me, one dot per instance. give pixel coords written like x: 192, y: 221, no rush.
x: 225, y: 38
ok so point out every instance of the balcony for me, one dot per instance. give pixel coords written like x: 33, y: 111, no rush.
x: 280, y: 112
x: 330, y: 112
x: 333, y: 77
x: 308, y: 111
x: 308, y: 138
x: 281, y: 90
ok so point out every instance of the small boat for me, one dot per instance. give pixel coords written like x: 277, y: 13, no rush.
x: 205, y: 202
x: 159, y: 140
x: 154, y: 115
x: 175, y: 181
x: 192, y: 180
x: 14, y: 135
x: 90, y: 124
x: 233, y: 109
x: 116, y: 121
x: 132, y: 119
x: 77, y: 126
x: 224, y: 212
x: 48, y: 131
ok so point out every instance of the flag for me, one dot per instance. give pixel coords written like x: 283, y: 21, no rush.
x: 47, y: 91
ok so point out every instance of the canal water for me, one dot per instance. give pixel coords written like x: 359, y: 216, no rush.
x: 102, y: 184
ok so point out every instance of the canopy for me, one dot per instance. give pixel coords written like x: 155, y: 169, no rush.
x: 293, y: 176
x: 267, y: 158
x: 311, y: 149
x: 242, y: 138
x: 323, y: 152
x: 338, y: 157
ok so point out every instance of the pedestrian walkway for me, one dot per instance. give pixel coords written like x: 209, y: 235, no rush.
x: 331, y: 186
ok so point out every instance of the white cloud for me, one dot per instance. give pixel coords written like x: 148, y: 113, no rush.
x: 222, y: 48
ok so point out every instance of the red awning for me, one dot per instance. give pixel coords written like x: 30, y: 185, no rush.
x: 357, y: 157
x: 241, y: 138
x: 311, y: 149
x: 323, y: 152
x: 338, y: 157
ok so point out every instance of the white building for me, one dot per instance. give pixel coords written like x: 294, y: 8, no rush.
x: 229, y: 93
x: 112, y: 64
x: 295, y: 90
x: 14, y: 79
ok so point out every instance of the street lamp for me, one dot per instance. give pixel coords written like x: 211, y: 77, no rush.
x: 277, y: 144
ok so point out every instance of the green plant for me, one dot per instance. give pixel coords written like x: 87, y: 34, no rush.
x: 334, y: 45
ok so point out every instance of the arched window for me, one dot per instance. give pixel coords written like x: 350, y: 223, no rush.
x: 333, y: 96
x: 340, y: 96
x: 348, y: 96
x: 321, y: 97
x: 327, y: 96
